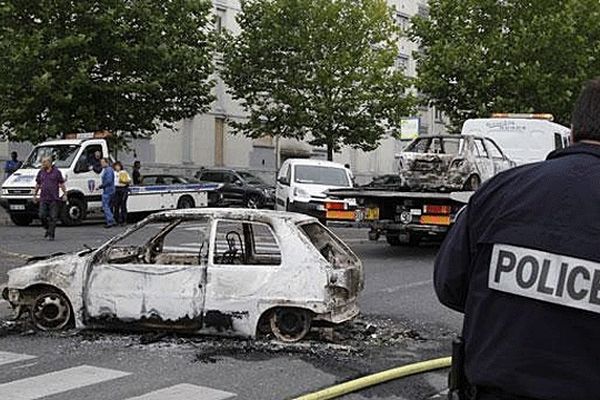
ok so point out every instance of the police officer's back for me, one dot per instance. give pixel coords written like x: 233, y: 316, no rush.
x: 523, y: 264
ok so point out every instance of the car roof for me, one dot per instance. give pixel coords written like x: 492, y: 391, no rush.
x: 244, y: 214
x: 450, y: 136
x: 310, y: 161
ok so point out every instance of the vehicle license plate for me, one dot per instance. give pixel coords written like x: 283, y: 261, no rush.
x: 20, y: 207
x: 372, y: 213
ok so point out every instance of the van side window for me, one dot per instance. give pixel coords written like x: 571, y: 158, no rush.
x: 88, y: 161
x: 558, y: 143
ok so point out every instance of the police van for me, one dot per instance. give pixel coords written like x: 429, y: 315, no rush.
x: 525, y: 138
x: 77, y: 157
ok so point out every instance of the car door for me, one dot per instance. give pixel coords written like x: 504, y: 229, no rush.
x: 485, y: 165
x: 282, y: 189
x: 244, y: 259
x: 84, y: 177
x: 500, y: 160
x: 154, y: 275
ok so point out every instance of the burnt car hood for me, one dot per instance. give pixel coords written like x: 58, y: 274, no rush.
x: 57, y: 270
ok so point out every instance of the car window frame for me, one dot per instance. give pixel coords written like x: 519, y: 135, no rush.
x: 477, y: 149
x: 213, y: 244
x: 495, y: 146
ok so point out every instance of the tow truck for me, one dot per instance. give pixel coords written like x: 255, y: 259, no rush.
x: 76, y: 157
x: 403, y: 217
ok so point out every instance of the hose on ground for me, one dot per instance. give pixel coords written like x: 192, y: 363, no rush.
x: 380, y: 377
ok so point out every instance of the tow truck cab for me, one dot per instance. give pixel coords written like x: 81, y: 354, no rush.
x: 76, y: 159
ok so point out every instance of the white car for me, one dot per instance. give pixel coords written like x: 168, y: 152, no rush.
x: 302, y: 185
x: 213, y: 271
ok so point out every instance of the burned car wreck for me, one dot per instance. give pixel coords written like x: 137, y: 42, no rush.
x: 208, y: 271
x: 450, y: 162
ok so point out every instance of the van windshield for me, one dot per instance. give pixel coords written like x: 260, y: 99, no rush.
x: 62, y: 155
x: 318, y: 175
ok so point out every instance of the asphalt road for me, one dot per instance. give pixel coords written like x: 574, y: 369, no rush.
x: 401, y: 322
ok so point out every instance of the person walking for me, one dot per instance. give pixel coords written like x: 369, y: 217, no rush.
x: 522, y: 264
x: 12, y: 165
x: 108, y: 191
x: 137, y: 176
x: 121, y: 194
x: 49, y: 180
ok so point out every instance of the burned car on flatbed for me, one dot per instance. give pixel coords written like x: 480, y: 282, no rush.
x: 448, y: 163
x: 208, y: 271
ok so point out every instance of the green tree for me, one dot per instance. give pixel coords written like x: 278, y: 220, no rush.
x: 317, y: 69
x: 128, y: 66
x: 482, y: 56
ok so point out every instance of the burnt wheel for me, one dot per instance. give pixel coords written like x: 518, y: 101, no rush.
x: 472, y: 183
x: 290, y: 324
x: 51, y: 311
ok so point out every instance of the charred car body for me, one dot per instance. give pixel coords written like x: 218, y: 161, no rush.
x: 212, y: 271
x: 446, y: 163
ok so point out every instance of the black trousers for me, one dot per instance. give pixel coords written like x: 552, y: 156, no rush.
x: 120, y: 204
x: 49, y: 216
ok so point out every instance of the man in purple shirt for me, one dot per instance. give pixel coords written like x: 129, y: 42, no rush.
x: 49, y: 180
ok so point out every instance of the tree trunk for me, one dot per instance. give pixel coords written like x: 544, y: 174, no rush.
x: 329, y: 151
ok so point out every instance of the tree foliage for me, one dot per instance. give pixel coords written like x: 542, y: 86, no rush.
x: 122, y: 65
x: 483, y: 56
x: 317, y: 69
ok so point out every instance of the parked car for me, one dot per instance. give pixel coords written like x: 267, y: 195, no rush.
x: 302, y: 186
x: 451, y: 162
x: 177, y: 182
x: 240, y: 188
x: 212, y: 271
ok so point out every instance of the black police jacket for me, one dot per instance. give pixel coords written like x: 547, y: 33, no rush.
x: 522, y: 263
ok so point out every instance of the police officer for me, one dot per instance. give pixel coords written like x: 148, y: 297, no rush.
x: 523, y: 264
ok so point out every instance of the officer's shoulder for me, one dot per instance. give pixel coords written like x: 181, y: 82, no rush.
x: 504, y: 180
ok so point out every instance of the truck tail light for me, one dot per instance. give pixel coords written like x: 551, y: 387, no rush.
x: 437, y: 209
x: 335, y: 206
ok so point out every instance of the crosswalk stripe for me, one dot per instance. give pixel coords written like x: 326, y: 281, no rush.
x: 8, y: 358
x: 57, y: 382
x: 185, y: 391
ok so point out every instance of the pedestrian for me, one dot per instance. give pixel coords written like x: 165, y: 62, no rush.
x: 522, y: 264
x: 121, y: 194
x: 137, y: 176
x: 108, y: 192
x: 49, y: 180
x: 12, y: 165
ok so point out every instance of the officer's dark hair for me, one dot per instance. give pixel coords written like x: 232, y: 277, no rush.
x: 585, y: 120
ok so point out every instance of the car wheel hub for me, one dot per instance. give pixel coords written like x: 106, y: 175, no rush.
x: 51, y: 312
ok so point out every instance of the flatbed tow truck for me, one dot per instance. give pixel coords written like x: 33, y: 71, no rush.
x: 403, y: 217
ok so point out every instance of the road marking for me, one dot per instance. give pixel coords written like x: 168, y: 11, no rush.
x: 15, y: 255
x: 57, y: 382
x: 8, y: 358
x: 185, y: 391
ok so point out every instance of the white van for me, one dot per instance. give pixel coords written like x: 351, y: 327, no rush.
x: 302, y: 183
x: 524, y: 138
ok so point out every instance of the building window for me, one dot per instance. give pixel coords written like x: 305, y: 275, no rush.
x: 439, y: 115
x: 402, y: 62
x: 403, y: 21
x: 219, y: 19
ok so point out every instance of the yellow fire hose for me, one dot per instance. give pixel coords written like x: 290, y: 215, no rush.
x: 380, y: 377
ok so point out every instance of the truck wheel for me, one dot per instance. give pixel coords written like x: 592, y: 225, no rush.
x: 290, y: 324
x: 73, y: 213
x: 185, y: 202
x: 21, y: 219
x: 393, y: 239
